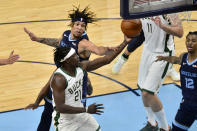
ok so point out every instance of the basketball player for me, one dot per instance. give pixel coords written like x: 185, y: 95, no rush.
x: 77, y: 39
x: 10, y: 60
x: 66, y: 84
x: 187, y: 112
x: 125, y: 56
x: 157, y: 36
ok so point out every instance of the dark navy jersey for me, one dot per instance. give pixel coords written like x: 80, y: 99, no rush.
x: 66, y: 41
x: 188, y: 72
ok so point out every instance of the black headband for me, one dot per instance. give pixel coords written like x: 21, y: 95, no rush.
x: 79, y: 19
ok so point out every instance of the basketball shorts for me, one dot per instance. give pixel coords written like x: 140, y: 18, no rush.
x: 151, y: 74
x: 78, y: 122
x: 186, y: 115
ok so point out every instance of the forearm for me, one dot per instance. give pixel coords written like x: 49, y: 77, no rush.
x: 101, y: 50
x: 69, y: 109
x: 173, y: 30
x: 96, y: 63
x: 49, y: 41
x: 43, y: 93
x: 172, y: 59
x: 3, y: 62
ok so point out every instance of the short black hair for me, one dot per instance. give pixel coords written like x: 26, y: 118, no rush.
x: 60, y: 53
x: 88, y: 16
x: 192, y: 33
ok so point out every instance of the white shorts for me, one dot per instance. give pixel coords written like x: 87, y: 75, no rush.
x: 80, y: 122
x: 151, y: 73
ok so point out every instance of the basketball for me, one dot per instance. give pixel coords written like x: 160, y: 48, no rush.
x: 131, y: 28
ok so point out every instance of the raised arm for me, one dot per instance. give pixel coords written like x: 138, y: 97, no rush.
x: 175, y: 29
x: 171, y: 59
x: 10, y: 60
x: 99, y: 62
x: 54, y: 42
x: 98, y: 50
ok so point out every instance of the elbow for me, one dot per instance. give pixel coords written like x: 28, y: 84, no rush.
x: 180, y: 34
x: 59, y: 109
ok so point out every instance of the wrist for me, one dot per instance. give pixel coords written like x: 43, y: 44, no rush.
x: 40, y: 40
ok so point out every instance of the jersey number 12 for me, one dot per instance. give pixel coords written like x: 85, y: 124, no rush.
x: 189, y: 83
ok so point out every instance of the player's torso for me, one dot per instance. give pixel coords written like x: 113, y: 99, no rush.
x: 188, y: 72
x: 73, y: 91
x: 66, y: 41
x: 156, y: 39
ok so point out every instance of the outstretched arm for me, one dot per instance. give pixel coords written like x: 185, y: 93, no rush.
x: 86, y: 45
x: 175, y: 28
x: 171, y: 59
x: 54, y: 42
x: 10, y: 60
x: 99, y: 62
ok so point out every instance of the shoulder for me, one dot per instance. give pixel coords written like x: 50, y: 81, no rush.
x: 58, y: 79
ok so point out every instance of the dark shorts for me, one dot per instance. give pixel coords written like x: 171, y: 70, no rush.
x: 186, y: 115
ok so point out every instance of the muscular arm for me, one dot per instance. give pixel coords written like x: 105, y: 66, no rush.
x: 89, y: 46
x: 47, y: 41
x: 58, y: 85
x: 99, y: 62
x: 171, y: 59
x: 50, y: 41
x: 175, y: 29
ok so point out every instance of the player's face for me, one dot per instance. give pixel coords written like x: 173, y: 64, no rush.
x: 78, y: 28
x: 74, y: 60
x: 191, y: 43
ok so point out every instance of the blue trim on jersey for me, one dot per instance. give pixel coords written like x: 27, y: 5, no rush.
x: 180, y: 126
x: 48, y: 100
x: 191, y: 62
x: 69, y: 37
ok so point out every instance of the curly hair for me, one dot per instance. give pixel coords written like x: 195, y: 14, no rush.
x: 87, y: 16
x: 60, y: 53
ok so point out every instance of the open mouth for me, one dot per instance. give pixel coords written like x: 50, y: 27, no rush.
x: 189, y: 48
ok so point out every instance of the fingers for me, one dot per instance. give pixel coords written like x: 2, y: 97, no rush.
x: 27, y: 31
x: 12, y: 52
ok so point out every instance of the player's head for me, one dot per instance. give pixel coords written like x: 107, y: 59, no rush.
x: 66, y: 55
x: 80, y: 19
x: 191, y: 42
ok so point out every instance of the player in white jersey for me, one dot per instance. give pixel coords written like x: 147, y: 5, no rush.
x: 157, y: 36
x: 160, y: 36
x: 69, y: 113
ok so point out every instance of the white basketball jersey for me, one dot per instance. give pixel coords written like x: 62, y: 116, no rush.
x: 73, y: 89
x: 156, y: 39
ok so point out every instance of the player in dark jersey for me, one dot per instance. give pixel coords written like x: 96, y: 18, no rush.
x: 77, y: 39
x: 187, y: 112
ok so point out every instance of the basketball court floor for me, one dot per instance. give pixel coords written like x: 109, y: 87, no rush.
x: 123, y: 111
x: 21, y: 82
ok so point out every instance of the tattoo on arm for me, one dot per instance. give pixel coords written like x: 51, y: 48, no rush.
x: 50, y: 41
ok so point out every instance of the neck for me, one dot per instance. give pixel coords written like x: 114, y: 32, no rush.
x: 69, y: 69
x: 72, y: 37
x: 192, y: 56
